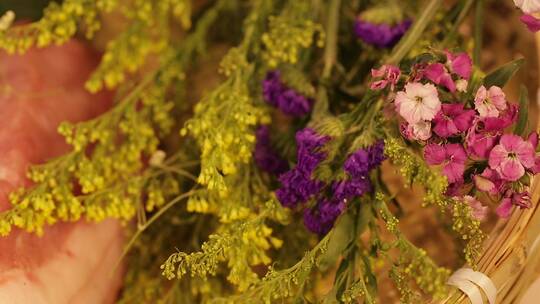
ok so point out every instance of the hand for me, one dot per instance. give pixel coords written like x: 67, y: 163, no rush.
x: 71, y: 262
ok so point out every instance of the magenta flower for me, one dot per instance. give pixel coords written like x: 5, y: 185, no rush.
x: 451, y: 156
x: 389, y: 74
x: 460, y: 64
x: 418, y: 102
x: 532, y: 23
x: 511, y: 157
x: 490, y: 102
x: 452, y: 119
x: 479, y: 211
x: 438, y: 73
x: 480, y: 142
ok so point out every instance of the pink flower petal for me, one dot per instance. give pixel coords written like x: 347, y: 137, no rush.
x: 532, y: 23
x: 454, y: 171
x: 511, y: 170
x: 461, y: 65
x: 497, y: 155
x: 434, y: 154
x: 505, y: 208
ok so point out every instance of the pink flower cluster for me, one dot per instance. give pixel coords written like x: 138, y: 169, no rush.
x: 467, y: 138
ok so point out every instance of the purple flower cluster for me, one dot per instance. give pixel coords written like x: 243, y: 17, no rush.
x: 297, y: 184
x: 358, y: 166
x: 265, y: 156
x: 289, y: 101
x: 381, y: 35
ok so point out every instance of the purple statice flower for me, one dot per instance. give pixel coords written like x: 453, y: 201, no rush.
x: 265, y: 156
x: 347, y: 189
x: 321, y: 219
x: 297, y: 185
x: 364, y: 160
x: 289, y: 101
x: 381, y: 35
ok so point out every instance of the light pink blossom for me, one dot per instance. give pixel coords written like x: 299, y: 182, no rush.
x: 489, y: 102
x: 420, y: 130
x: 528, y: 6
x: 511, y: 157
x: 419, y: 102
x: 479, y: 211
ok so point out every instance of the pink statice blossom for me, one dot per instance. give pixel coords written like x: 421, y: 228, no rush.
x: 528, y: 6
x: 532, y: 23
x: 438, y: 74
x: 451, y: 156
x: 511, y: 157
x: 452, y: 119
x: 479, y: 211
x: 419, y: 102
x: 389, y: 74
x: 460, y: 64
x: 489, y: 102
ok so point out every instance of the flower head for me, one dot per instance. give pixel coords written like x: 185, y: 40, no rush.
x: 451, y: 156
x: 452, y: 119
x: 418, y: 131
x: 460, y: 64
x: 418, y: 102
x: 286, y: 99
x: 297, y: 185
x: 321, y: 219
x: 362, y: 161
x: 511, y: 157
x: 437, y: 73
x: 265, y: 156
x: 490, y: 102
x: 389, y: 74
x: 381, y: 35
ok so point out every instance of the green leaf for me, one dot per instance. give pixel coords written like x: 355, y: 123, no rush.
x: 523, y: 117
x: 342, y: 236
x: 502, y: 75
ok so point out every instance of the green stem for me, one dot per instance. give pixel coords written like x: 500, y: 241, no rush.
x: 330, y: 54
x: 465, y: 9
x: 478, y: 25
x: 408, y: 42
x: 330, y: 51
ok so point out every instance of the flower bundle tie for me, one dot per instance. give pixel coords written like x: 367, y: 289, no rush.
x: 471, y: 282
